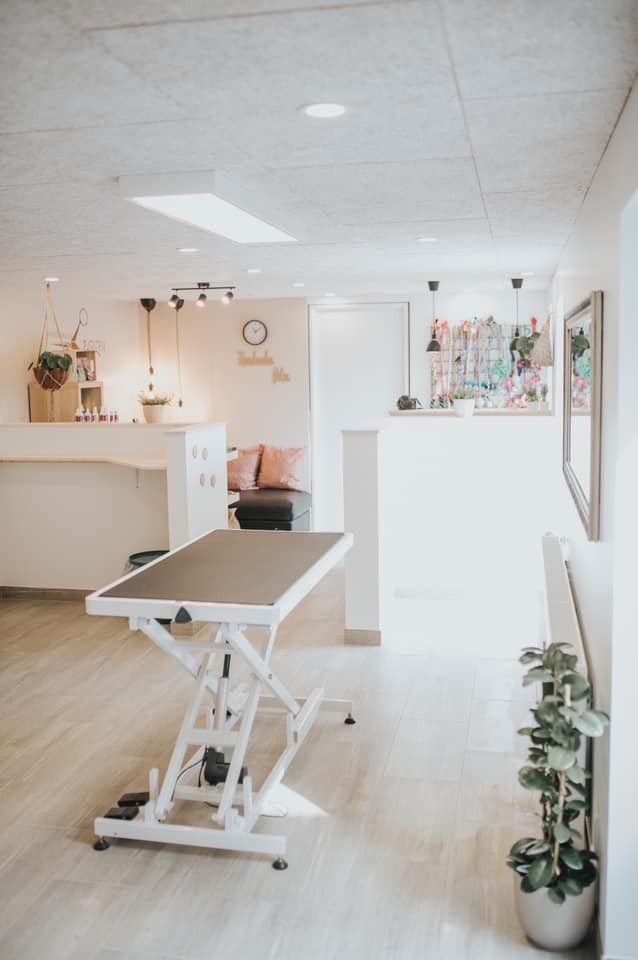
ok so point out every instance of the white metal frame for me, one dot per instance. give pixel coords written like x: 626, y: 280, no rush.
x: 229, y: 725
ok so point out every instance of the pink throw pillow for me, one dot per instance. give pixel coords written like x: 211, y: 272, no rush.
x: 282, y: 468
x: 242, y: 472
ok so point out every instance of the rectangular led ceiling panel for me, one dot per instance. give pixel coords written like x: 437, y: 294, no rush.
x: 211, y: 213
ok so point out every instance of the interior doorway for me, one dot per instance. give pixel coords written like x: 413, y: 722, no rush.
x: 359, y: 360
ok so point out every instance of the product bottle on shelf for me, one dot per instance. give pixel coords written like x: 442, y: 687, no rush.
x: 104, y: 417
x: 94, y: 415
x: 87, y: 415
x: 79, y: 415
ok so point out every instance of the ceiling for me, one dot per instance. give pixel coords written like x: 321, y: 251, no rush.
x: 479, y: 122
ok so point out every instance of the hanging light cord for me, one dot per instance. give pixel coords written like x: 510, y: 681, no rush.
x: 180, y: 402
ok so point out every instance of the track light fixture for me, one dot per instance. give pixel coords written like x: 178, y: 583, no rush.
x: 202, y: 289
x: 433, y: 346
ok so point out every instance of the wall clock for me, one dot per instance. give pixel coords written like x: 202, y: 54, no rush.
x: 255, y: 332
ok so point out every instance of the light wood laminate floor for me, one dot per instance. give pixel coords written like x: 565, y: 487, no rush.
x: 398, y: 827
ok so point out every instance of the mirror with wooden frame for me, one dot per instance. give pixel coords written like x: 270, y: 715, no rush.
x: 582, y: 392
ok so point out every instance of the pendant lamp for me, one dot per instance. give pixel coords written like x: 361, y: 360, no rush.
x: 179, y: 303
x: 149, y: 304
x: 433, y: 346
x: 517, y: 283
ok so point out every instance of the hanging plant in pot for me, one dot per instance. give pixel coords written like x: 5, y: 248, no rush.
x: 555, y: 898
x: 51, y: 369
x: 154, y: 406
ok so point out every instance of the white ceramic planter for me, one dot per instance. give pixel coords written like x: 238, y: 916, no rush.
x: 154, y: 412
x: 554, y: 926
x: 464, y: 408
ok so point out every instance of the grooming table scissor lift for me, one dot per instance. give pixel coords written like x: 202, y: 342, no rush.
x: 231, y: 579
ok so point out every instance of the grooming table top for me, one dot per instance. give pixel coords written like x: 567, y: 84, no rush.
x: 252, y: 567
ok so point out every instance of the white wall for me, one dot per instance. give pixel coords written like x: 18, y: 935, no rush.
x: 216, y: 387
x: 591, y: 261
x: 455, y: 308
x: 113, y: 321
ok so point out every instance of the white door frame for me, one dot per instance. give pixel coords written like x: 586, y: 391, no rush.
x: 317, y: 309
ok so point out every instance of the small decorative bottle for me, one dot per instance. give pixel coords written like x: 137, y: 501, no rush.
x: 79, y: 415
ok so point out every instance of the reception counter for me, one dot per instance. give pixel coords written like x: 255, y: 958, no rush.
x: 77, y: 499
x: 437, y: 502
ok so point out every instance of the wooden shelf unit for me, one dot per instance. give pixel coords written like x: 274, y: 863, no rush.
x: 59, y: 406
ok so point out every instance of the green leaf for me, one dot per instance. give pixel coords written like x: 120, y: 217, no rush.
x: 546, y: 713
x: 579, y: 686
x: 576, y: 774
x: 556, y: 895
x: 525, y: 731
x: 537, y: 675
x: 559, y: 758
x: 576, y: 804
x: 572, y: 857
x: 562, y: 833
x: 533, y: 779
x: 589, y: 723
x: 540, y: 873
x: 530, y: 656
x: 522, y: 845
x: 571, y: 886
x: 537, y: 848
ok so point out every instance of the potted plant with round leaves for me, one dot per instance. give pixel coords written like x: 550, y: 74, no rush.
x: 154, y: 406
x: 555, y: 897
x: 51, y: 369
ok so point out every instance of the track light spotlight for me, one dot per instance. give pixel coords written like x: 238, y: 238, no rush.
x: 201, y: 300
x: 173, y: 301
x: 228, y: 296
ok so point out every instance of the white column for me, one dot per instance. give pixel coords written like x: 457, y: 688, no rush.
x: 364, y: 513
x: 196, y: 481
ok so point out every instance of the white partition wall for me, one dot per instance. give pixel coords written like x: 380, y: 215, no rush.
x: 196, y: 480
x: 358, y: 368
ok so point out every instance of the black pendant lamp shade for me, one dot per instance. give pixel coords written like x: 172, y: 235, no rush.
x: 517, y: 283
x: 149, y: 304
x: 433, y: 346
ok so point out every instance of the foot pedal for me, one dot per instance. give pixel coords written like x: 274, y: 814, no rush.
x: 216, y: 769
x: 122, y: 813
x: 134, y: 799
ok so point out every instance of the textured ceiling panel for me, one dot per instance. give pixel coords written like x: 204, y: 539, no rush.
x: 90, y: 91
x: 542, y: 142
x: 511, y: 48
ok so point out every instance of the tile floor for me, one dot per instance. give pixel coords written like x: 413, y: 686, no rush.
x: 398, y: 827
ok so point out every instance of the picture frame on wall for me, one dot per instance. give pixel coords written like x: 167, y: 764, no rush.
x: 582, y: 408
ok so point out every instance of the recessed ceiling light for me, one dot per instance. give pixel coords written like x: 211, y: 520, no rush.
x: 298, y: 283
x: 329, y: 294
x: 51, y: 279
x: 253, y: 270
x: 187, y: 250
x: 324, y: 111
x: 211, y: 213
x: 427, y: 239
x: 527, y: 273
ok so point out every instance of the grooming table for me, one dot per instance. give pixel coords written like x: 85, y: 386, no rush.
x: 230, y: 579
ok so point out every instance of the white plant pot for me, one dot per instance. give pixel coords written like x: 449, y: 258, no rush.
x: 154, y: 412
x: 464, y: 408
x: 555, y: 926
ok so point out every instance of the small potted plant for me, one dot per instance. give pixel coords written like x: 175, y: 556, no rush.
x: 555, y: 897
x: 544, y: 391
x: 463, y: 402
x: 52, y: 369
x: 154, y: 406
